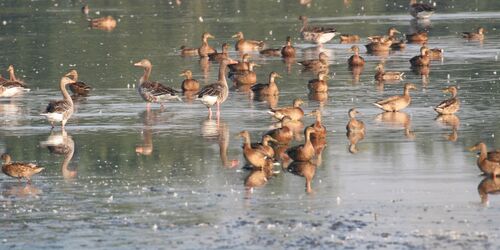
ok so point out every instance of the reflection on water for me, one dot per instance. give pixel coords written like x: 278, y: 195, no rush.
x: 488, y: 186
x: 61, y: 143
x: 20, y: 190
x: 451, y: 121
x: 398, y: 119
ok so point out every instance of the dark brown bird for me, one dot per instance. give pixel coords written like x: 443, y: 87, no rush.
x: 19, y: 170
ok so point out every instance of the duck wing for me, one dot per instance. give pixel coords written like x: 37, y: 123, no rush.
x: 214, y: 89
x: 389, y: 100
x: 158, y: 89
x: 421, y: 7
x: 494, y: 156
x: 447, y: 103
x: 60, y: 106
x: 12, y: 84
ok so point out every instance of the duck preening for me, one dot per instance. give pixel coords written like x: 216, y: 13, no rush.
x: 60, y: 111
x: 19, y: 170
x: 396, y: 103
x: 153, y: 92
x: 294, y: 112
x: 316, y: 34
x: 215, y: 93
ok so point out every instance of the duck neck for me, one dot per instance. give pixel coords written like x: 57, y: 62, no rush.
x: 304, y: 24
x: 318, y: 118
x: 406, y: 92
x: 12, y: 76
x: 271, y: 81
x: 453, y: 93
x: 222, y: 74
x: 65, y: 93
x: 7, y: 159
x: 246, y: 141
x: 308, y: 138
x: 145, y: 77
x: 483, y: 153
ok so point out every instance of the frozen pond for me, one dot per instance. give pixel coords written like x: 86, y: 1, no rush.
x: 131, y: 178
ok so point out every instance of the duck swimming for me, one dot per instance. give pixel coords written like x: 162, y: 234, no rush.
x: 267, y: 89
x: 288, y: 51
x: 78, y: 88
x: 320, y: 64
x: 382, y: 75
x: 419, y: 37
x: 355, y: 60
x: 479, y: 35
x: 423, y: 59
x: 449, y: 106
x: 247, y: 77
x: 12, y: 86
x: 60, y: 111
x: 316, y: 34
x: 220, y: 56
x: 247, y: 45
x: 19, y: 170
x: 205, y: 49
x: 153, y: 92
x: 396, y: 103
x: 189, y: 84
x: 319, y: 84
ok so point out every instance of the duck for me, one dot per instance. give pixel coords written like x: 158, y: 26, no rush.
x: 254, y: 156
x: 318, y: 137
x: 355, y: 60
x: 288, y: 51
x: 12, y: 87
x: 319, y: 84
x: 247, y: 77
x: 354, y: 125
x: 434, y: 53
x: 78, y: 88
x: 220, y: 56
x: 348, y: 38
x: 421, y: 60
x: 270, y: 52
x: 479, y: 35
x: 153, y: 92
x: 264, y: 145
x: 242, y: 65
x: 205, y: 49
x: 316, y: 34
x: 396, y: 44
x: 303, y: 152
x: 284, y: 134
x: 247, y: 45
x: 186, y: 51
x: 107, y: 23
x: 267, y: 89
x: 382, y: 45
x: 396, y: 103
x: 382, y: 75
x: 215, y: 93
x: 320, y: 64
x: 449, y: 106
x: 189, y: 84
x: 488, y: 162
x: 295, y: 112
x: 19, y: 170
x: 306, y: 169
x: 391, y: 35
x: 61, y: 110
x: 421, y: 10
x: 418, y: 37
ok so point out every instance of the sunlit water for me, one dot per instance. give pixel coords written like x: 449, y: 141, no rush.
x: 129, y: 178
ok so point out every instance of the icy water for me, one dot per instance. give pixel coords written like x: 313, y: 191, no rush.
x: 123, y: 177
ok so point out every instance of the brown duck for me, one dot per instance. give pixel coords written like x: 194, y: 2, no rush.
x: 242, y: 65
x: 107, y: 23
x: 284, y: 134
x: 423, y: 59
x: 488, y: 162
x: 19, y: 170
x: 479, y: 35
x: 254, y: 156
x: 78, y: 88
x: 354, y: 125
x: 356, y: 59
x: 419, y: 37
x: 382, y: 75
x: 189, y: 84
x: 348, y: 38
x: 303, y: 152
x: 269, y: 89
x: 295, y: 112
x: 319, y: 84
x: 247, y: 77
x: 449, y: 106
x: 205, y: 49
x: 288, y: 51
x: 396, y: 103
x: 220, y: 56
x: 320, y: 64
x: 264, y: 145
x: 247, y: 45
x: 382, y: 45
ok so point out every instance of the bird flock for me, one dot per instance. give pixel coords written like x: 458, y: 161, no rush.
x: 274, y: 148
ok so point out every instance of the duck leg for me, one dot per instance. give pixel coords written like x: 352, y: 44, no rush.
x: 148, y: 106
x: 209, y: 113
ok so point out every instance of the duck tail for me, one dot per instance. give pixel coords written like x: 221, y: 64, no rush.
x: 377, y: 105
x: 38, y: 170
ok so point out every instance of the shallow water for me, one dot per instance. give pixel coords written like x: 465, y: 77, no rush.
x: 412, y: 183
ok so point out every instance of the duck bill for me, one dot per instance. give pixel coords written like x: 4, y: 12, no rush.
x: 137, y: 64
x: 471, y: 148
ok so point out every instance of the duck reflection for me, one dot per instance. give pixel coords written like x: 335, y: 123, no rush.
x: 149, y: 119
x: 107, y: 23
x: 61, y: 143
x: 205, y: 66
x: 356, y: 72
x: 397, y: 119
x: 355, y: 130
x: 11, y: 113
x: 306, y: 169
x: 211, y: 130
x: 272, y: 100
x: 289, y: 61
x: 488, y: 186
x: 451, y: 121
x: 259, y: 177
x: 20, y: 190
